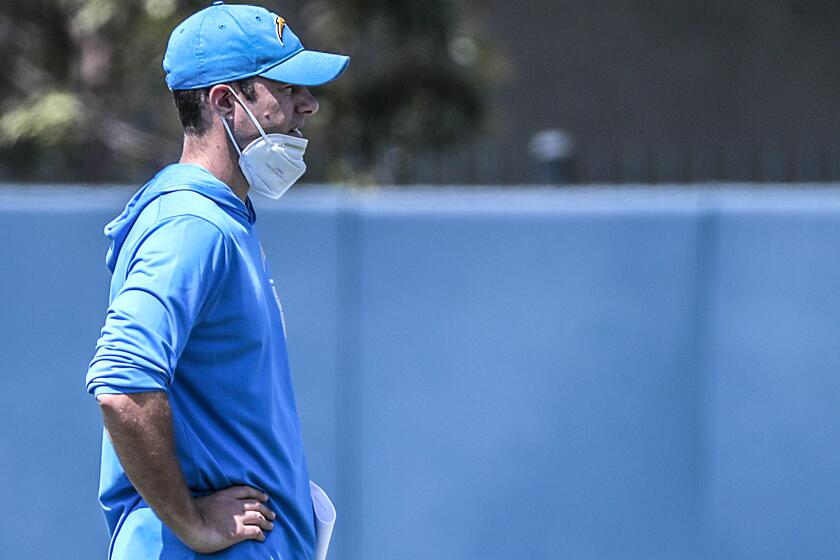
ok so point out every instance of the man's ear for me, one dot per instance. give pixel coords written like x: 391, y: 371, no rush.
x: 220, y: 101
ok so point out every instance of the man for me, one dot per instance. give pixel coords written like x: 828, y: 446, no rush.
x: 202, y: 449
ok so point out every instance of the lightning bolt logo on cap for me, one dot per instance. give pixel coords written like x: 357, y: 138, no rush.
x: 280, y: 23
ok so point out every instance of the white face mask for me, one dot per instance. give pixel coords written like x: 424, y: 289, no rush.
x: 271, y: 163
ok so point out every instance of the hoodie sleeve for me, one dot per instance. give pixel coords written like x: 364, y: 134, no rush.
x: 174, y: 275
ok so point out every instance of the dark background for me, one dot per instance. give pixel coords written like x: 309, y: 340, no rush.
x: 663, y: 90
x: 453, y: 91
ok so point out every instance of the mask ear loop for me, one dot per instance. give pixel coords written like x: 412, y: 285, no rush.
x: 253, y: 120
x: 251, y: 116
x: 230, y: 135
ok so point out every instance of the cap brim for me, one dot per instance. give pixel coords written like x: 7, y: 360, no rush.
x: 308, y: 68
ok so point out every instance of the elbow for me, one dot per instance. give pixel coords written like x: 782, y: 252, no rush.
x: 112, y: 405
x: 130, y: 403
x: 109, y: 401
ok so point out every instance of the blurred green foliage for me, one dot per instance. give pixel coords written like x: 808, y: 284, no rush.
x: 86, y: 99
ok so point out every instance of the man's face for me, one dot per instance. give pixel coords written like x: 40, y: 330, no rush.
x: 279, y: 108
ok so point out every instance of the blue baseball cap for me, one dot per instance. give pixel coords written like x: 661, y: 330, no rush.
x: 230, y: 42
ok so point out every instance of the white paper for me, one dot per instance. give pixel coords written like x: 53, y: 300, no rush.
x: 324, y: 520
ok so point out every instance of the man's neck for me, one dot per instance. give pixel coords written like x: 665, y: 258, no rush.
x: 218, y: 157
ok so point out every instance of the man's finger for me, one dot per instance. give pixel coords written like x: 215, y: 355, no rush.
x: 258, y: 519
x: 260, y: 507
x: 245, y: 492
x: 252, y: 532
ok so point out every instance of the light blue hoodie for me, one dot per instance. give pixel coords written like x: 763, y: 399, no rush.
x: 193, y: 312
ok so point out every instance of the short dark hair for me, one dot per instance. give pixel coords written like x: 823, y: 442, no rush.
x: 190, y: 102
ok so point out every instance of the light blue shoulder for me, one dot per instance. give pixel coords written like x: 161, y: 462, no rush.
x: 191, y: 203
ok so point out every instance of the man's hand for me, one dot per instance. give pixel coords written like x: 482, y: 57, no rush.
x: 227, y: 517
x: 140, y: 427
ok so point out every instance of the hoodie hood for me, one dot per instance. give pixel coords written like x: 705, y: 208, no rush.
x: 175, y: 177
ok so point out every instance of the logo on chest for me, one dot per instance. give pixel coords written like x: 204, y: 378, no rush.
x: 267, y: 272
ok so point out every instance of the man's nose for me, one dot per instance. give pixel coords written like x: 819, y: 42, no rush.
x: 306, y: 102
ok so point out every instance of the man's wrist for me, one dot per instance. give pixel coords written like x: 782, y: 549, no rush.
x: 185, y: 521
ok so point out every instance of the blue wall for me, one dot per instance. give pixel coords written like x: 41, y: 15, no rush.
x: 495, y: 374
